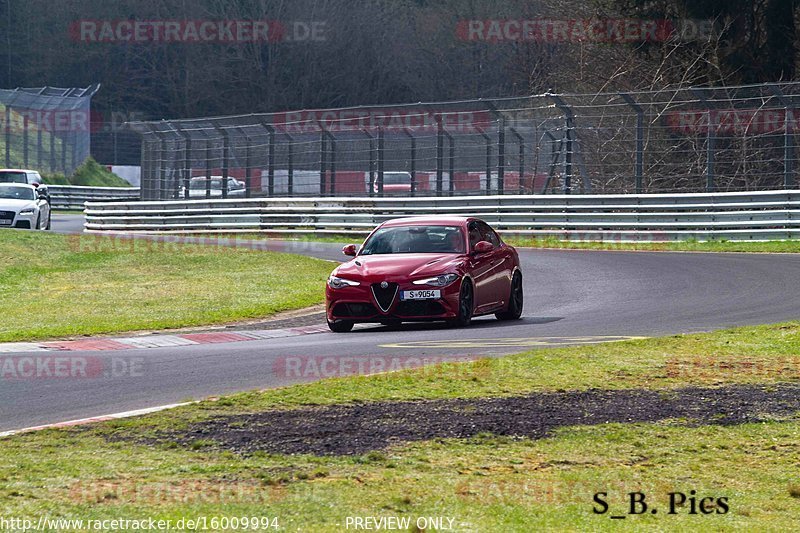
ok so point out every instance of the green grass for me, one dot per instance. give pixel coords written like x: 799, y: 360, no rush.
x: 56, y: 285
x: 790, y: 246
x: 486, y: 483
x: 89, y: 174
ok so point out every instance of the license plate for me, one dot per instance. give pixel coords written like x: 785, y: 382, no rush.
x: 4, y: 222
x: 421, y: 295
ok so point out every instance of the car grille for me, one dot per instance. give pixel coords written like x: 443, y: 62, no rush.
x: 384, y: 297
x: 354, y: 310
x: 419, y: 308
x: 7, y: 215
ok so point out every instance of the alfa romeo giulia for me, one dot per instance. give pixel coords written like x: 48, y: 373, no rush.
x: 426, y: 269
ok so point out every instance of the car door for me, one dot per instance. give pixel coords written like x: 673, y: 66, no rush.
x: 498, y: 281
x: 480, y: 268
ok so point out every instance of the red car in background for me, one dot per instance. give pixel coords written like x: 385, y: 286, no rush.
x: 426, y: 269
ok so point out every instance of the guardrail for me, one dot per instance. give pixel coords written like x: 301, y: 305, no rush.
x: 770, y: 215
x: 75, y: 196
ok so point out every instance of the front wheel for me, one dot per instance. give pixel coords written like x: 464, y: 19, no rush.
x: 514, y: 311
x: 49, y: 224
x: 340, y: 326
x: 466, y: 306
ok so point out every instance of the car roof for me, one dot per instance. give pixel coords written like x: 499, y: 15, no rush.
x: 17, y: 185
x: 440, y: 220
x: 15, y: 170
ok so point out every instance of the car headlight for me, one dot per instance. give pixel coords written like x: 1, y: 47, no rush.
x: 26, y: 212
x: 438, y: 281
x: 338, y: 283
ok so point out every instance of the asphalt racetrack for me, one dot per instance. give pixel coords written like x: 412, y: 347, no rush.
x: 571, y: 297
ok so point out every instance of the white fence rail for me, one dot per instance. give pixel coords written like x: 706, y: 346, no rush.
x: 770, y: 215
x: 75, y: 196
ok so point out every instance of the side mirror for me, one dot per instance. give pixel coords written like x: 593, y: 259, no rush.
x: 483, y: 247
x: 350, y: 250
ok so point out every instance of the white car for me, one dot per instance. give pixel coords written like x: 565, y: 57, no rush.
x: 23, y: 206
x: 197, y: 187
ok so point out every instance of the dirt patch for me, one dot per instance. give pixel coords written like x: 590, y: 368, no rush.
x: 357, y: 429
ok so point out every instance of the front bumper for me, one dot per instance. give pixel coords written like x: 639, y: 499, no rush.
x: 17, y: 221
x: 359, y: 304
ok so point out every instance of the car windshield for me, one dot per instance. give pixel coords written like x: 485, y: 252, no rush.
x: 16, y: 193
x: 415, y: 240
x: 13, y: 177
x: 396, y: 178
x: 201, y: 184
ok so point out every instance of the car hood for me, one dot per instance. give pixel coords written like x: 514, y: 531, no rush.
x: 11, y: 204
x: 399, y: 266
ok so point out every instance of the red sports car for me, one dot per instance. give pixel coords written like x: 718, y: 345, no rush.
x: 423, y: 269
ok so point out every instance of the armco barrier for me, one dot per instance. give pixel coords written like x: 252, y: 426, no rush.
x: 75, y: 196
x: 770, y: 215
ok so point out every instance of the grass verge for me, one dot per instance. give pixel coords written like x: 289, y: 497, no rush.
x: 485, y: 483
x: 790, y: 246
x: 56, y: 285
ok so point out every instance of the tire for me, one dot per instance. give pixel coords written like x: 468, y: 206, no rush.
x: 341, y: 326
x: 49, y: 221
x: 38, y: 225
x: 466, y: 306
x: 515, y: 300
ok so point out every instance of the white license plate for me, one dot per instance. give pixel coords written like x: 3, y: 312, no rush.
x: 421, y: 295
x: 4, y: 222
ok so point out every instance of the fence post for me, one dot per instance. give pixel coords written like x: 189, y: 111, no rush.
x: 521, y: 141
x: 25, y: 139
x: 501, y: 156
x: 711, y: 139
x: 381, y: 160
x: 371, y: 182
x: 52, y: 152
x: 208, y: 166
x: 413, y: 161
x: 187, y: 164
x: 788, y: 137
x: 64, y: 154
x: 569, y: 118
x: 638, y: 170
x: 332, y: 152
x: 451, y: 164
x: 8, y: 136
x: 290, y: 165
x: 226, y: 149
x: 323, y: 155
x: 439, y: 154
x: 488, y: 140
x: 270, y: 160
x: 39, y: 146
x: 248, y: 163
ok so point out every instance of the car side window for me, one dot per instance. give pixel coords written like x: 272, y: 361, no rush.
x: 474, y: 235
x: 488, y: 234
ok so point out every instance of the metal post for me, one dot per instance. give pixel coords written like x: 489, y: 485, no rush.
x: 226, y: 152
x: 290, y: 165
x: 332, y: 159
x: 788, y: 137
x: 488, y: 162
x: 710, y: 139
x: 413, y: 161
x: 501, y: 156
x: 521, y: 142
x: 381, y: 161
x: 8, y: 136
x: 39, y: 146
x: 187, y: 163
x: 25, y: 139
x: 439, y: 154
x: 323, y: 154
x: 638, y: 168
x: 371, y: 180
x: 53, y: 151
x: 248, y: 163
x: 208, y: 166
x: 64, y: 154
x: 270, y: 161
x: 569, y: 118
x: 451, y: 164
